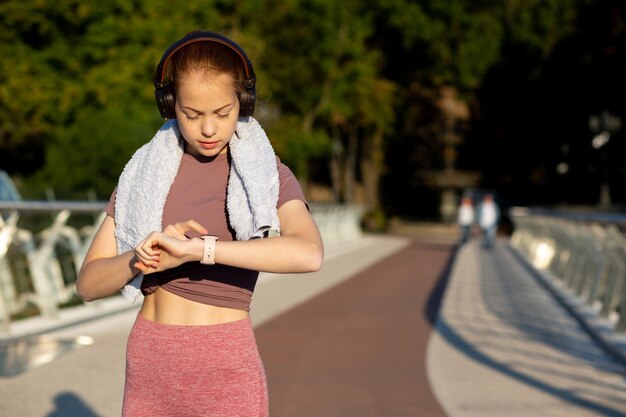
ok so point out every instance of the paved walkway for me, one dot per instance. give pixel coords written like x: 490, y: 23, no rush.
x: 505, y: 347
x: 363, y: 338
x: 359, y: 349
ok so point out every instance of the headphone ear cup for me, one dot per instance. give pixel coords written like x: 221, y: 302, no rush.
x: 247, y: 100
x: 165, y: 101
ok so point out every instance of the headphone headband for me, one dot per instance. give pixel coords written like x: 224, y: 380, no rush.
x: 164, y: 92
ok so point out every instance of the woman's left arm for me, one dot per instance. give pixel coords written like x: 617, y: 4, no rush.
x: 299, y: 247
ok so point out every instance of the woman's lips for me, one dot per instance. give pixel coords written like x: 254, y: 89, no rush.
x: 208, y: 145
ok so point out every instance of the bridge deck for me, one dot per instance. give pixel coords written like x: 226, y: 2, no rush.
x: 376, y: 333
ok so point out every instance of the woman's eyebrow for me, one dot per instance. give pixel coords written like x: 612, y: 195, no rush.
x: 190, y: 109
x: 199, y: 112
x: 223, y: 107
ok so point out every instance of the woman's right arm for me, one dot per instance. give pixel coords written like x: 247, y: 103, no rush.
x: 104, y: 272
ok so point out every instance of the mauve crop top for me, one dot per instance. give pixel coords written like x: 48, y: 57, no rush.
x: 198, y: 193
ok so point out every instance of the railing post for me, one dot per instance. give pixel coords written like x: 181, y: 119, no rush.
x: 44, y: 267
x: 587, y: 257
x: 8, y: 295
x: 338, y: 223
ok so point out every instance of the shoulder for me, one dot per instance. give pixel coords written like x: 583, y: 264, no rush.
x: 284, y: 172
x: 290, y: 188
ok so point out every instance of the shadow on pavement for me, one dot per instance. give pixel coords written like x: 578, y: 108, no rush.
x: 68, y: 404
x: 519, y: 313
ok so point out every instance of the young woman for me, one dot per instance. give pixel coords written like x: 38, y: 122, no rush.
x: 181, y: 227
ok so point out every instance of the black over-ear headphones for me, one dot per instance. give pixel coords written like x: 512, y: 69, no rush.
x: 164, y: 91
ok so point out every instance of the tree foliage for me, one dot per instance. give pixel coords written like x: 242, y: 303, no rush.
x: 342, y: 86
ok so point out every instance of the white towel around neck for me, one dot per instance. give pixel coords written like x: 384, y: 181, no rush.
x: 144, y: 184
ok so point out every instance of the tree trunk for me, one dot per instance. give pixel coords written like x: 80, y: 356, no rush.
x: 336, y: 162
x: 349, y: 174
x: 371, y: 167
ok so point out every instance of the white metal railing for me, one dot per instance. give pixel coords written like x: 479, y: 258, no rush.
x: 585, y: 253
x: 38, y: 265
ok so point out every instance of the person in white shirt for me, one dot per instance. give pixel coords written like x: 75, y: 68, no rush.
x: 465, y: 218
x: 488, y: 217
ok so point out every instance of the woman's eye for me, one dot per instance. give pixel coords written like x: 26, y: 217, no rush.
x: 222, y: 116
x: 191, y: 117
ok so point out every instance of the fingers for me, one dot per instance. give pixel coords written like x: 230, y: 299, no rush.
x: 147, y: 251
x: 167, y: 249
x: 178, y: 230
x: 194, y: 225
x: 145, y: 269
x: 141, y: 267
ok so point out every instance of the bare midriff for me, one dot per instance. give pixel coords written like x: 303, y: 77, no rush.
x: 164, y: 307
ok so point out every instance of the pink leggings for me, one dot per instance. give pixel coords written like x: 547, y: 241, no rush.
x: 180, y: 371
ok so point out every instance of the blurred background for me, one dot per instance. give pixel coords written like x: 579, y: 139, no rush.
x: 388, y: 112
x: 400, y: 105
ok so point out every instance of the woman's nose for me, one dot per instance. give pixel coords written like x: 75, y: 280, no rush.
x: 208, y: 128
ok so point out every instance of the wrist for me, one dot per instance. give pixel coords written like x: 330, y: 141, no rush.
x: 132, y: 265
x: 197, y: 249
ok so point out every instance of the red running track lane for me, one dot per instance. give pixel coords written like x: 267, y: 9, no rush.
x: 359, y: 348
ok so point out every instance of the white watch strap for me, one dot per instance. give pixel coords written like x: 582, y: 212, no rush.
x: 208, y: 256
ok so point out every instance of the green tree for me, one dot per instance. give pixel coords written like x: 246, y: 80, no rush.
x: 347, y: 90
x: 325, y: 79
x: 76, y: 59
x: 456, y: 44
x: 91, y: 153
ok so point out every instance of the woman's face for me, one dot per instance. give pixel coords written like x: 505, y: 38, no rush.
x: 207, y: 109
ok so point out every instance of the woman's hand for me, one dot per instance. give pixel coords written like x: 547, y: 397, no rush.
x: 167, y: 249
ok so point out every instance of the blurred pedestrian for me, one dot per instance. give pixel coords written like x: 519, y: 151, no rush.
x: 488, y: 215
x: 466, y: 218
